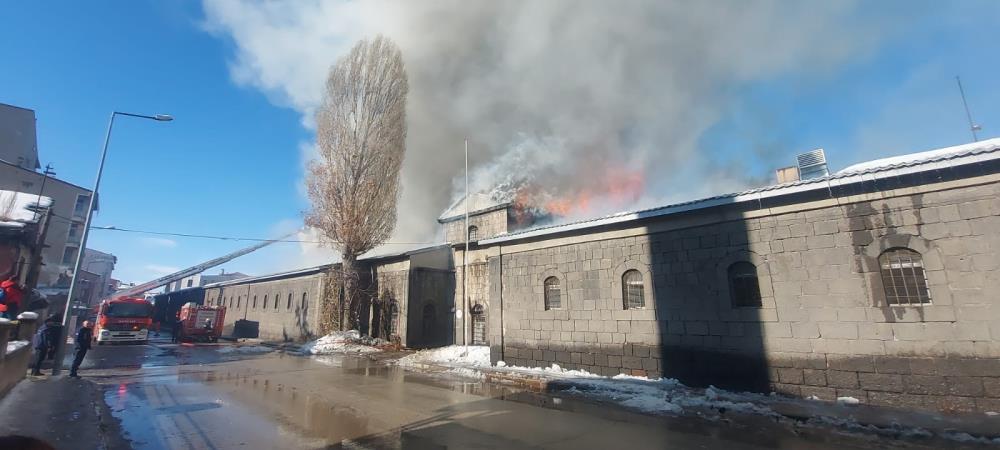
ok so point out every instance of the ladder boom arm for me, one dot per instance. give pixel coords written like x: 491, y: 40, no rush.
x: 198, y: 268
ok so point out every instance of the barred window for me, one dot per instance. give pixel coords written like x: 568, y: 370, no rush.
x: 304, y: 302
x: 632, y: 290
x: 553, y: 293
x: 394, y: 319
x: 473, y: 233
x: 903, y: 277
x: 744, y: 289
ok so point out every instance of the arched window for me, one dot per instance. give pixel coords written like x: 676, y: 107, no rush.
x: 632, y: 290
x: 289, y: 305
x: 553, y: 293
x: 394, y: 319
x: 305, y: 304
x: 255, y: 302
x: 238, y: 298
x: 744, y: 290
x: 264, y: 306
x: 473, y: 233
x: 903, y: 277
x: 478, y: 325
x: 276, y: 302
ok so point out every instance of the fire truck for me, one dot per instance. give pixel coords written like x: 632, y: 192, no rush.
x: 128, y: 317
x: 123, y: 319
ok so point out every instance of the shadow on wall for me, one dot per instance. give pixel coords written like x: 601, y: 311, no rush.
x: 714, y: 294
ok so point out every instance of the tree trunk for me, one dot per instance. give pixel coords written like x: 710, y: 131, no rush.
x: 352, y: 291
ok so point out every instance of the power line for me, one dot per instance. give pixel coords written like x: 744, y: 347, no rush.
x: 229, y: 238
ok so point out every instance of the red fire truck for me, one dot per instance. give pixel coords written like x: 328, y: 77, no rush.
x: 123, y: 319
x: 201, y: 322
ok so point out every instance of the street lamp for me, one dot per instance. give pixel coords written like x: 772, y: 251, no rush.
x: 60, y: 349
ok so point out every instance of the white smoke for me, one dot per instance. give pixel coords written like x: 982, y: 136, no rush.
x: 551, y: 91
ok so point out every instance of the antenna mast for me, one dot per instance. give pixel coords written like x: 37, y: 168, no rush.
x: 972, y: 125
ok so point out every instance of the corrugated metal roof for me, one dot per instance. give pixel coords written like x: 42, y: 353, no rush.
x: 888, y: 167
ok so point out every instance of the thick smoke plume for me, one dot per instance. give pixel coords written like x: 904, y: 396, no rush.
x: 580, y: 107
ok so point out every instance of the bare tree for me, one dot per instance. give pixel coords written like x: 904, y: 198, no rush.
x: 361, y: 135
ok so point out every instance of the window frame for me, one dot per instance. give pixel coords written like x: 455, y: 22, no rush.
x: 739, y: 301
x: 472, y: 233
x: 546, y: 293
x: 626, y: 285
x: 922, y: 278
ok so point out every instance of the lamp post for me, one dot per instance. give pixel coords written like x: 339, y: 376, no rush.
x: 60, y: 348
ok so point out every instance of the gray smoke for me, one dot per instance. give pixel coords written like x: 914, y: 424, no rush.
x: 551, y: 93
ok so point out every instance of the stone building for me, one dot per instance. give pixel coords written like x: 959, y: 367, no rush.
x: 408, y: 299
x: 878, y: 282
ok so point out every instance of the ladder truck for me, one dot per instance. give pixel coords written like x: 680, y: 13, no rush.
x: 127, y: 316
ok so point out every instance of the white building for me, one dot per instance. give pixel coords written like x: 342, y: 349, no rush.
x: 202, y: 279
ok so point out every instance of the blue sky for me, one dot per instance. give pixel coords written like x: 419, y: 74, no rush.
x: 231, y: 163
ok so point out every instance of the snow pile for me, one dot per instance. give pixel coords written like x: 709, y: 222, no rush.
x: 343, y: 342
x: 14, y: 346
x: 455, y: 355
x: 667, y: 395
x: 246, y: 349
x: 28, y: 315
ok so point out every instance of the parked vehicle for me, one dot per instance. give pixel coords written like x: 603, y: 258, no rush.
x: 124, y: 319
x: 201, y: 322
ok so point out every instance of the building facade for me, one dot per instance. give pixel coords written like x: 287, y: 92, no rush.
x: 102, y: 265
x: 18, y: 172
x: 24, y: 219
x: 876, y: 283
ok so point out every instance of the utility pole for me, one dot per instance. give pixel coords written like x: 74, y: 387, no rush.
x: 972, y: 125
x: 61, y: 344
x: 465, y: 256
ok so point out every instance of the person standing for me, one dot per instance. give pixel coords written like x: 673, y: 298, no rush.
x: 42, y: 342
x: 83, y: 339
x: 175, y: 329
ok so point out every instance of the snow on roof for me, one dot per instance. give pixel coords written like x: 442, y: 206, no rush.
x: 869, y: 171
x: 921, y: 156
x: 479, y: 203
x: 18, y: 208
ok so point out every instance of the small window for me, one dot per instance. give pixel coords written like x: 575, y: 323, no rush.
x: 69, y: 254
x: 632, y: 290
x: 473, y: 233
x: 255, y: 302
x: 289, y: 305
x: 82, y: 202
x: 553, y: 293
x: 264, y: 306
x: 190, y: 282
x: 394, y: 317
x: 904, y: 277
x: 238, y: 298
x: 744, y: 290
x: 305, y: 303
x: 276, y: 301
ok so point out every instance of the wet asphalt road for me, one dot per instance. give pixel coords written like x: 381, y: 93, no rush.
x: 170, y: 396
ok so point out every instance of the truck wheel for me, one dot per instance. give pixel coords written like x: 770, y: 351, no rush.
x: 100, y: 342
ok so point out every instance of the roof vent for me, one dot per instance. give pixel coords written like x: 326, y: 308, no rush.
x: 812, y: 164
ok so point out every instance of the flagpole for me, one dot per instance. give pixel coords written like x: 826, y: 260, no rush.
x: 465, y: 255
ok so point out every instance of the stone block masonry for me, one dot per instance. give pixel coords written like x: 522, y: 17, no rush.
x: 824, y: 326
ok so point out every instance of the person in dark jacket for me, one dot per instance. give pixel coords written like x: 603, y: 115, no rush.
x: 43, y: 343
x: 83, y: 339
x: 175, y: 329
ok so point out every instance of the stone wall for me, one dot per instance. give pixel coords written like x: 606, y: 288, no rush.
x: 824, y: 327
x: 430, y: 318
x: 492, y: 223
x: 478, y: 294
x: 393, y: 285
x: 291, y: 311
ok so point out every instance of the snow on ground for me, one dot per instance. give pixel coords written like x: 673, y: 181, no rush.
x: 655, y: 396
x: 469, y: 357
x: 245, y: 349
x: 344, y: 342
x: 13, y: 346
